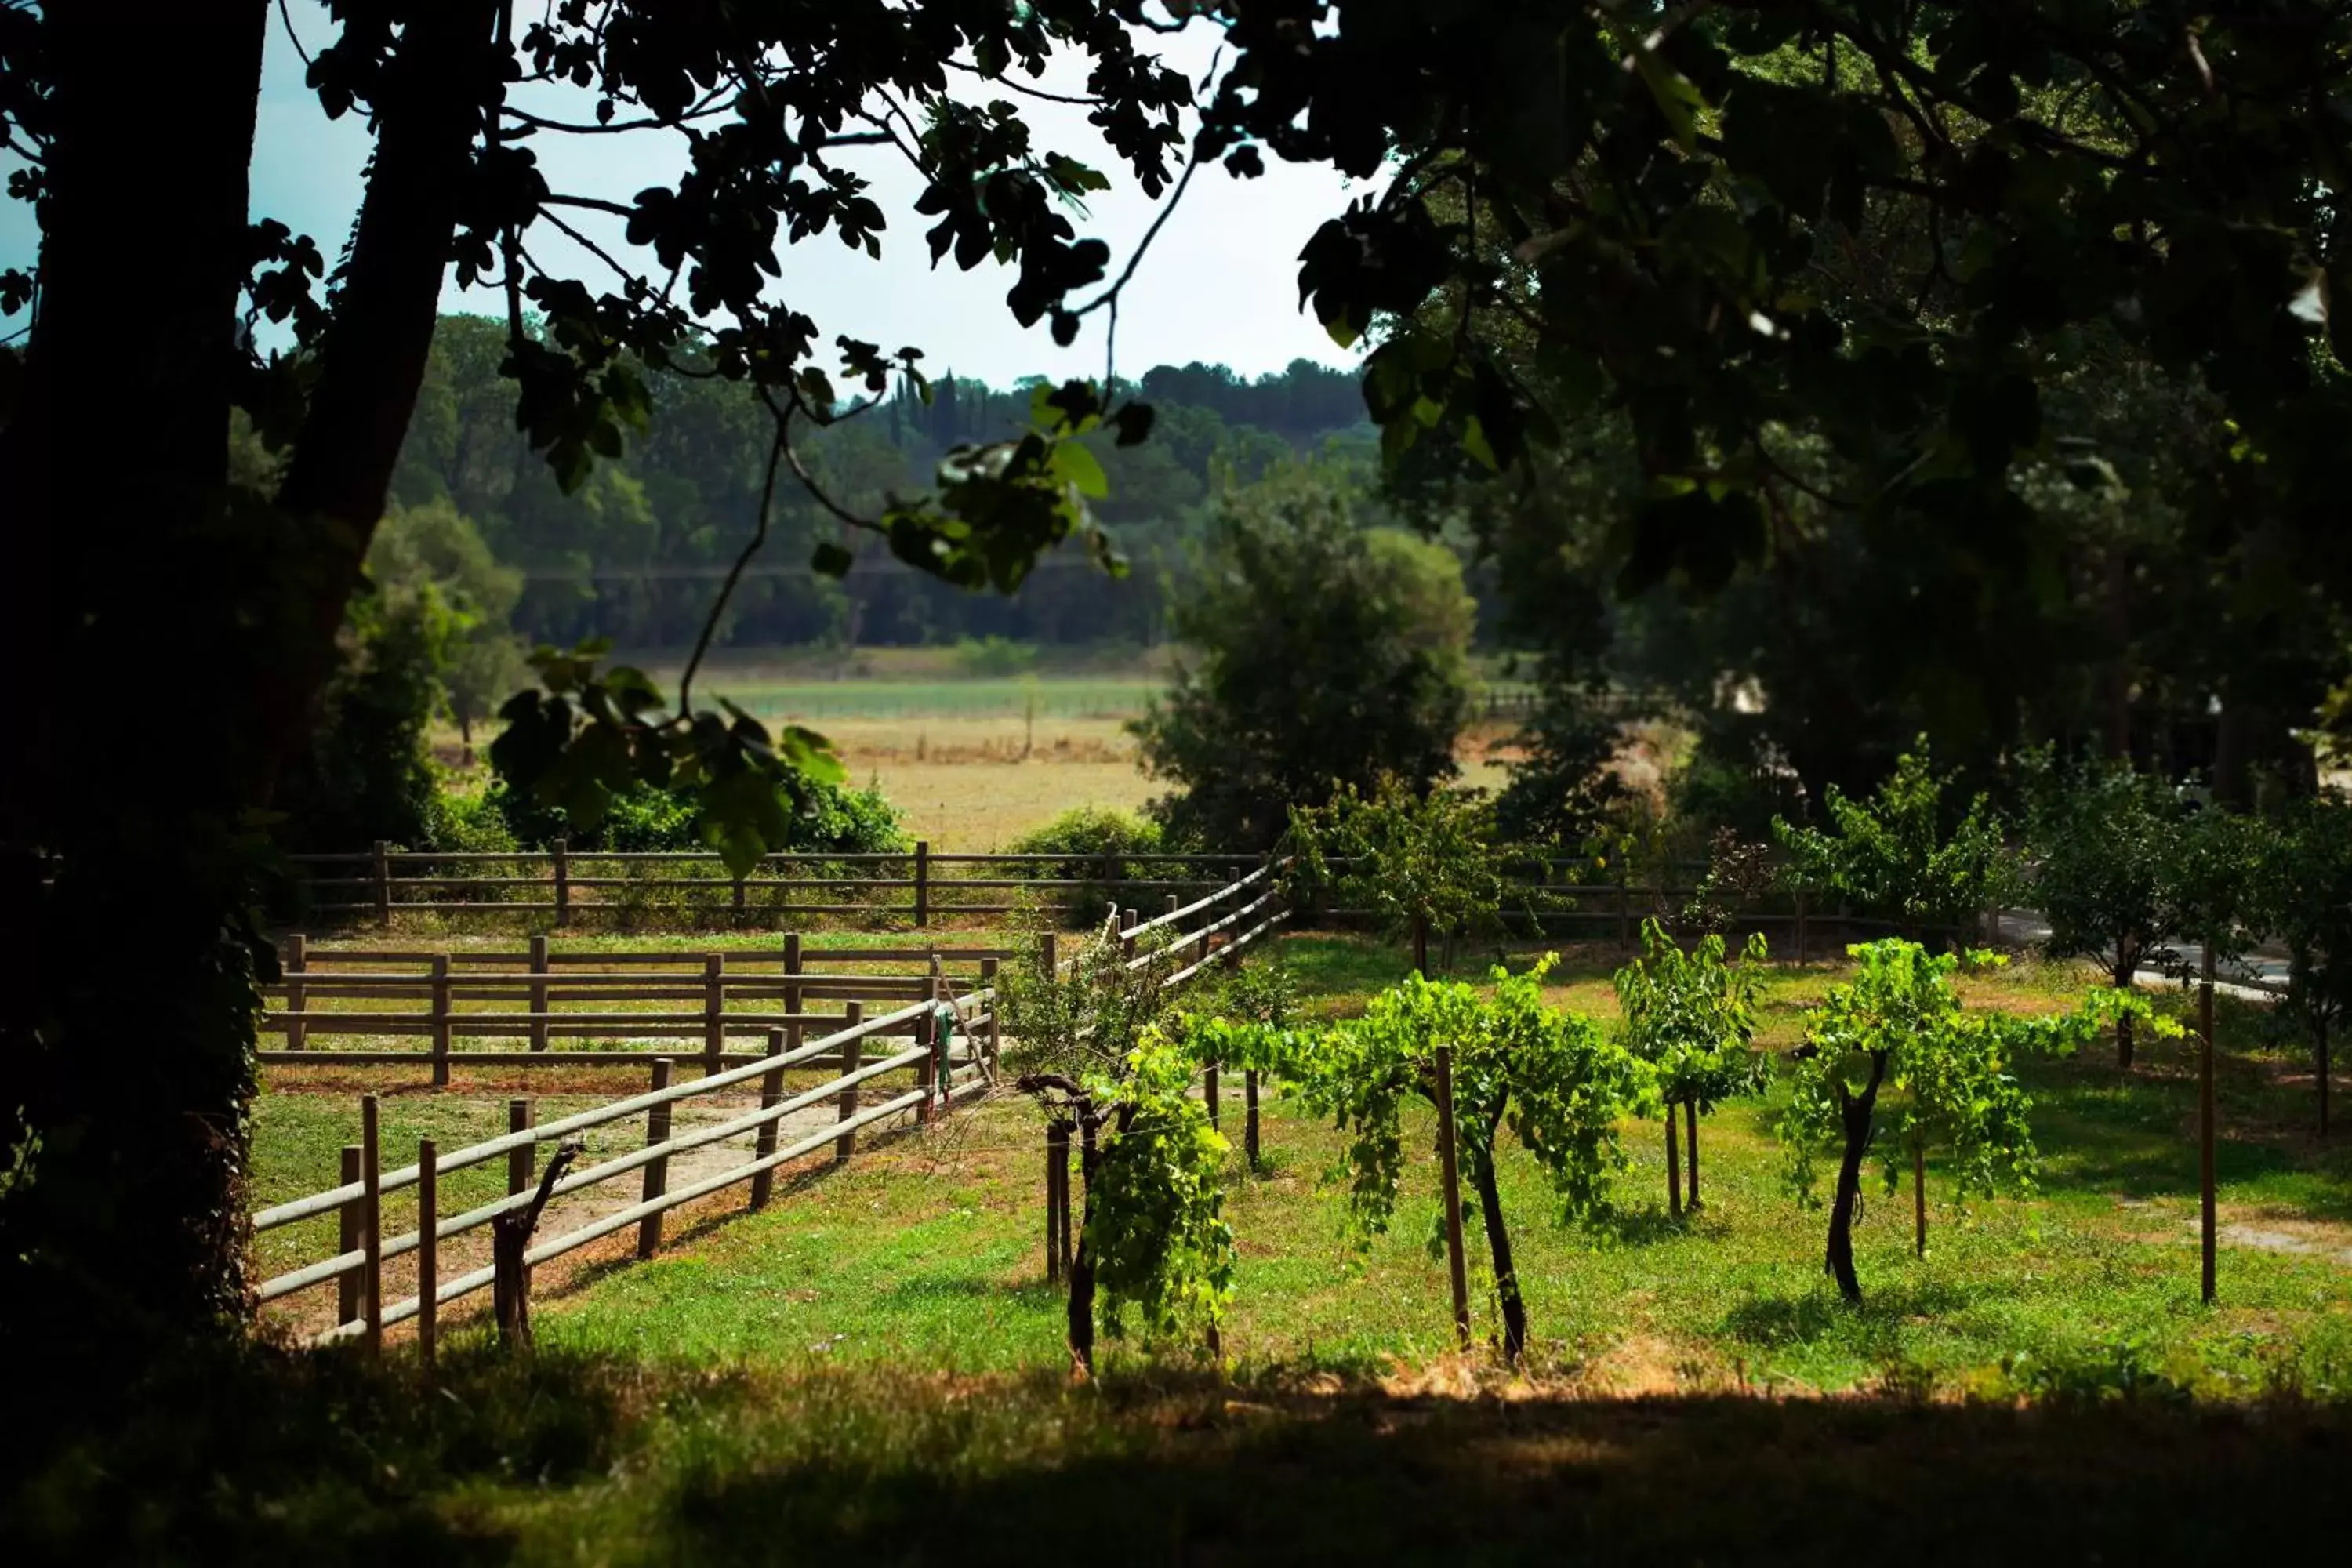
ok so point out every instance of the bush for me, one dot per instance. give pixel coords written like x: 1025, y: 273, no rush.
x: 1561, y: 786
x: 1117, y: 845
x: 825, y: 819
x: 994, y: 657
x: 1903, y: 855
x: 1322, y: 654
x: 368, y: 774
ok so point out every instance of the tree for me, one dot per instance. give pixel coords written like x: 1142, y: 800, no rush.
x: 1747, y: 230
x: 433, y: 547
x: 2305, y: 899
x: 1900, y: 856
x: 2100, y: 837
x: 129, y: 1218
x: 1898, y: 1027
x: 1692, y: 1018
x: 1321, y: 654
x: 1420, y: 862
x: 1554, y: 1078
x: 1091, y: 1051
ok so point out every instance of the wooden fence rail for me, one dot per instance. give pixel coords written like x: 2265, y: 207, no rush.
x: 535, y: 997
x: 952, y: 1058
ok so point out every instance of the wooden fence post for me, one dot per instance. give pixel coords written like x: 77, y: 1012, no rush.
x: 520, y: 1160
x: 384, y: 884
x: 428, y: 1249
x: 853, y: 1056
x: 441, y: 1027
x: 559, y: 860
x: 926, y: 1068
x: 763, y: 1142
x: 714, y: 1011
x: 298, y: 959
x: 1128, y: 922
x: 539, y: 992
x: 1449, y: 1175
x: 988, y: 973
x: 372, y: 1224
x: 657, y: 1183
x: 1209, y: 1092
x: 1052, y: 957
x: 922, y: 881
x: 350, y: 1288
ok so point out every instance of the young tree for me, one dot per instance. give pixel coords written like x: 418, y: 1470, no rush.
x: 2099, y: 837
x: 2304, y: 899
x: 1322, y: 654
x: 1900, y: 856
x: 1089, y: 1049
x: 1692, y: 1018
x: 1422, y: 862
x: 1557, y: 1080
x: 1898, y: 1027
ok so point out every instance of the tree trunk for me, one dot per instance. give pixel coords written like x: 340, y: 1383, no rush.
x: 1673, y: 1165
x: 124, y: 571
x: 429, y: 110
x: 1498, y: 1250
x: 1919, y: 1200
x: 2126, y: 965
x: 1081, y: 1316
x: 1855, y: 1111
x: 1690, y: 1124
x: 2320, y: 1050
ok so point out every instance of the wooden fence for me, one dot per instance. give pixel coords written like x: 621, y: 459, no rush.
x: 540, y: 994
x: 952, y: 1057
x: 573, y: 886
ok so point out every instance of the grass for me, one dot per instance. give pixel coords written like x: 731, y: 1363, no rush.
x: 873, y: 1364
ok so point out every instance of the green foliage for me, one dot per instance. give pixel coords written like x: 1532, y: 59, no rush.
x: 1692, y: 1016
x: 368, y: 771
x: 641, y: 818
x: 1561, y: 785
x: 995, y: 657
x: 1320, y: 654
x: 433, y: 547
x: 1117, y: 845
x: 2101, y: 838
x: 1556, y: 1079
x: 1899, y: 1028
x: 2304, y: 898
x: 1900, y: 855
x: 1155, y: 1201
x: 1417, y: 859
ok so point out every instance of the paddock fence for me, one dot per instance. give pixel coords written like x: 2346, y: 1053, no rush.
x: 939, y: 1049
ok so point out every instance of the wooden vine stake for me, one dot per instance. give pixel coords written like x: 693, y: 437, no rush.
x: 2205, y: 1117
x: 510, y: 1235
x: 1449, y: 1175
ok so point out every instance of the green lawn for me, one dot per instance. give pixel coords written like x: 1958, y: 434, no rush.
x: 875, y: 1363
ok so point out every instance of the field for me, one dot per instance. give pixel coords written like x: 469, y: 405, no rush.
x: 875, y: 1363
x: 972, y: 762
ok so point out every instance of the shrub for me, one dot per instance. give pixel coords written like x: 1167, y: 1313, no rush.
x: 1900, y: 856
x: 1321, y: 653
x: 825, y: 819
x: 994, y: 657
x: 1117, y: 845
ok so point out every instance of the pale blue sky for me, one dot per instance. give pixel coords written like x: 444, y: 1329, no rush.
x: 1219, y: 285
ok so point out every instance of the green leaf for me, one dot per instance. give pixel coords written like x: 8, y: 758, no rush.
x: 1082, y: 468
x: 1678, y: 100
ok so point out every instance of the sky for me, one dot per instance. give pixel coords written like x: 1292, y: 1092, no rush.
x: 1219, y: 284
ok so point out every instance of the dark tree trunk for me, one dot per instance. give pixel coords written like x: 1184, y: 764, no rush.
x: 1855, y: 1111
x: 123, y: 603
x: 372, y: 359
x: 1690, y: 1125
x: 1919, y: 1200
x: 1081, y: 1317
x: 1498, y: 1250
x: 1673, y: 1165
x: 2319, y: 1049
x: 2126, y: 965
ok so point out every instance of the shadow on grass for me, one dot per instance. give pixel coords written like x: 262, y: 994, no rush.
x: 261, y: 1457
x: 1211, y: 1472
